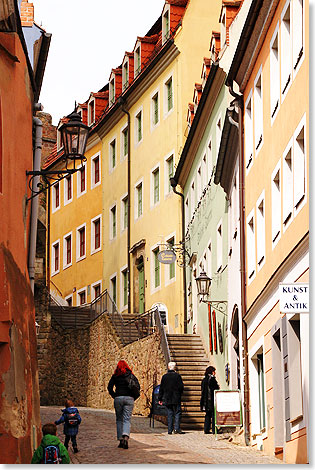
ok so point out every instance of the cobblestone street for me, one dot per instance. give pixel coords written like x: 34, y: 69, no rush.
x: 98, y: 445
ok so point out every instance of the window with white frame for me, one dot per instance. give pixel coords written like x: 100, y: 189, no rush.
x: 95, y: 171
x: 209, y: 260
x: 125, y: 75
x: 113, y: 222
x: 258, y: 111
x: 91, y: 112
x: 168, y: 94
x: 287, y: 185
x: 248, y: 130
x: 55, y: 257
x: 192, y: 198
x: 260, y: 217
x: 124, y: 288
x: 138, y: 127
x: 96, y: 234
x: 274, y: 73
x: 219, y: 247
x: 286, y: 47
x: 218, y: 135
x: 210, y: 164
x: 59, y: 140
x: 257, y: 384
x: 81, y: 242
x: 81, y: 180
x: 155, y: 111
x: 155, y: 186
x: 124, y: 142
x: 67, y: 250
x: 298, y: 30
x: 113, y: 288
x: 166, y: 24
x: 299, y: 166
x: 204, y: 171
x: 156, y: 268
x: 139, y: 200
x: 112, y: 91
x: 56, y: 196
x: 68, y: 184
x: 96, y: 289
x: 137, y: 61
x: 124, y: 212
x: 276, y: 205
x: 112, y: 154
x: 199, y: 184
x: 81, y: 297
x: 169, y: 173
x: 251, y: 252
x: 170, y: 268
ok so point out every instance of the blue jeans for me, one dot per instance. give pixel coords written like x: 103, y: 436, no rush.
x: 123, y: 408
x: 174, y: 412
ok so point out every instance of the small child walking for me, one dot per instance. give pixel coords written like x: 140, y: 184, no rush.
x: 50, y: 450
x: 71, y: 419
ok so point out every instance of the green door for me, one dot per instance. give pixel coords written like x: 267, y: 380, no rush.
x: 141, y: 287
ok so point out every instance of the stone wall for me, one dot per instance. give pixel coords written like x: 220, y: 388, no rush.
x: 79, y: 364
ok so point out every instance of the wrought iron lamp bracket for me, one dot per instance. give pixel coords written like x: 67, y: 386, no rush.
x: 179, y: 249
x: 218, y: 305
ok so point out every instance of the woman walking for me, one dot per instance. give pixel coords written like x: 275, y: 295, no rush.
x: 208, y: 385
x: 126, y: 391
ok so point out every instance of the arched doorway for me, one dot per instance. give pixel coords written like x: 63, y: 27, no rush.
x: 163, y: 313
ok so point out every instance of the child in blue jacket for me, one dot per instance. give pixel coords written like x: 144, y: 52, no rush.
x: 71, y: 419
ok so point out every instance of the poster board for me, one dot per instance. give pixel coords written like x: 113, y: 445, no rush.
x: 227, y: 408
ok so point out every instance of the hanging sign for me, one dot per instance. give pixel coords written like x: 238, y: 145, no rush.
x: 166, y: 256
x: 294, y: 298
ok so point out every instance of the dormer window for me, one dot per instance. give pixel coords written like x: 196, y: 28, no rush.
x: 125, y: 75
x: 112, y: 91
x: 59, y: 141
x: 137, y: 61
x: 166, y: 24
x: 91, y: 114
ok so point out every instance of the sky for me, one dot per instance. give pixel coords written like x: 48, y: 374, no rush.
x: 89, y: 38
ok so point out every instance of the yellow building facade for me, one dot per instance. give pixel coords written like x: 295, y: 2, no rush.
x: 274, y: 80
x: 147, y: 102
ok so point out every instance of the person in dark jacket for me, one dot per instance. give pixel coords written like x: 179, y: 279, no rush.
x: 49, y: 431
x: 123, y: 400
x: 170, y: 395
x: 71, y: 419
x: 208, y: 385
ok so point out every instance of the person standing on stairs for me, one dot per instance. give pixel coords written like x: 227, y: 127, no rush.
x: 170, y: 395
x: 208, y: 385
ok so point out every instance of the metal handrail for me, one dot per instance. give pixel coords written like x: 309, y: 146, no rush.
x: 164, y: 342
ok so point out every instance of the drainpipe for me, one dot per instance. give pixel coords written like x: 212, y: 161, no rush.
x: 123, y: 102
x: 48, y: 192
x: 238, y: 102
x: 174, y: 184
x: 34, y: 206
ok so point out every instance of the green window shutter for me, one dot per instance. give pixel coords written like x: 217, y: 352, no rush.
x: 139, y: 127
x: 114, y: 221
x: 113, y: 147
x: 172, y: 266
x: 125, y: 213
x: 125, y: 280
x: 156, y: 269
x: 140, y: 200
x: 156, y: 177
x: 125, y: 142
x: 114, y: 287
x: 169, y: 95
x: 156, y: 109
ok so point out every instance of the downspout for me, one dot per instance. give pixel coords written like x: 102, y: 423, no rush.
x: 48, y: 192
x: 238, y: 102
x: 174, y: 184
x: 122, y: 102
x: 35, y: 201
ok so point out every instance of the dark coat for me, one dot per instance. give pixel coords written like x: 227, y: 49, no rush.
x: 69, y: 430
x: 171, y: 388
x: 121, y: 385
x: 208, y: 385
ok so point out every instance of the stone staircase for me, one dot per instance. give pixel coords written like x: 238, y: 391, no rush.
x: 190, y: 356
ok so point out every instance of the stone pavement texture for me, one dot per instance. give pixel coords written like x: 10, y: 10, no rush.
x: 97, y: 443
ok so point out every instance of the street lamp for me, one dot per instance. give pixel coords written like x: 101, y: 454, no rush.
x: 74, y: 136
x: 203, y: 289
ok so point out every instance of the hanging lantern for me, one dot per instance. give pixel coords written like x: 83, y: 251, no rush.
x: 203, y: 284
x: 74, y: 135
